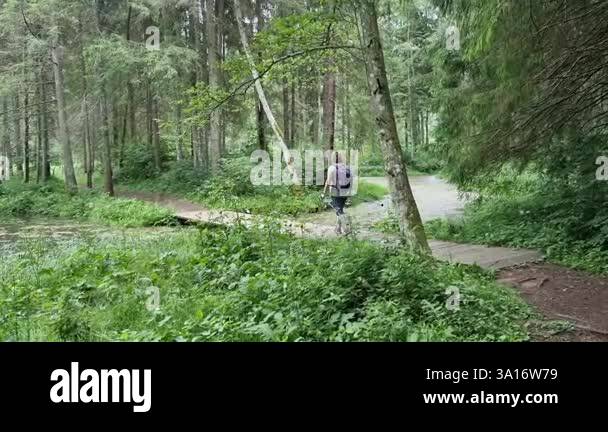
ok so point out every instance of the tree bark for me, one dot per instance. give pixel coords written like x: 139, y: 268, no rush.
x: 156, y: 138
x: 286, y: 116
x: 329, y: 111
x: 410, y: 223
x: 214, y: 84
x: 26, y: 137
x: 314, y: 127
x: 149, y: 116
x: 38, y: 154
x: 17, y: 126
x: 260, y: 118
x: 179, y: 145
x: 44, y: 157
x: 86, y: 156
x: 108, y: 182
x: 131, y: 108
x: 57, y: 53
x: 292, y: 126
x: 6, y: 142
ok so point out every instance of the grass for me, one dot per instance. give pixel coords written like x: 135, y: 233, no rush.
x: 18, y: 200
x: 234, y: 284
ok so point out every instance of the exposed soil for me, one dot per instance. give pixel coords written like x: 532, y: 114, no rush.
x: 562, y: 294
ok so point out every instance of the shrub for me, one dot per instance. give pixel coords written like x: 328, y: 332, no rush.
x: 234, y: 284
x: 51, y: 200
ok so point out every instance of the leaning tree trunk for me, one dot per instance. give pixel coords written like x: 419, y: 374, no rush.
x: 64, y: 135
x: 260, y: 91
x: 408, y: 216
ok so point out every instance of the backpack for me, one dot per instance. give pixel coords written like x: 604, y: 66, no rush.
x: 343, y: 179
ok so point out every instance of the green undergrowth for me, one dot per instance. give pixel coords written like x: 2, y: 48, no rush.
x: 234, y: 284
x: 231, y: 188
x: 567, y: 221
x: 18, y: 200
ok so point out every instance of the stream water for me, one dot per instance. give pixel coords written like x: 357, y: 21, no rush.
x: 18, y: 233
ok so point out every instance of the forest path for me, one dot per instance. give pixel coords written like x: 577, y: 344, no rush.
x: 436, y: 199
x: 556, y: 292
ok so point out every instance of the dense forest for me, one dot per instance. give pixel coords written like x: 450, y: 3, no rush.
x: 136, y: 116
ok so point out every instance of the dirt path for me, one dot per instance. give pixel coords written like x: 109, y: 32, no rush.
x: 563, y: 294
x: 436, y: 199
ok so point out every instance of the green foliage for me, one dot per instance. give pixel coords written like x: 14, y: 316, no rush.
x: 51, y: 201
x: 231, y: 189
x: 568, y: 223
x: 234, y: 284
x: 179, y: 178
x: 137, y: 164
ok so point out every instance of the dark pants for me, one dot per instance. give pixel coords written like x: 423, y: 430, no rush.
x: 338, y: 204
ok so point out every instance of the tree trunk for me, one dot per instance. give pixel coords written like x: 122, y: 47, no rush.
x: 314, y: 127
x: 156, y: 138
x: 38, y: 155
x: 44, y: 157
x: 220, y: 10
x: 347, y: 116
x: 410, y: 223
x: 261, y: 125
x: 131, y: 108
x: 149, y: 116
x: 260, y: 118
x: 108, y: 182
x: 214, y: 84
x: 6, y: 142
x: 413, y: 124
x: 17, y: 126
x: 292, y: 126
x: 426, y: 129
x: 26, y: 137
x: 329, y: 111
x: 86, y: 154
x: 57, y: 53
x: 179, y: 146
x: 286, y: 117
x: 260, y: 91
